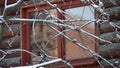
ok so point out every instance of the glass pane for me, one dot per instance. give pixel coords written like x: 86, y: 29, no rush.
x: 41, y: 34
x: 84, y: 14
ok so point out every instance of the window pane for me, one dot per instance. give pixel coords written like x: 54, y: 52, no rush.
x: 41, y: 35
x: 84, y: 14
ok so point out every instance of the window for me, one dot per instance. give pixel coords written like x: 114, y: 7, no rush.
x: 59, y: 47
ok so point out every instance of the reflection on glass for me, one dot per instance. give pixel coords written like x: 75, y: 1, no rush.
x: 41, y: 33
x: 84, y: 14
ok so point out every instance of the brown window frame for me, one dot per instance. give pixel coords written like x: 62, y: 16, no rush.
x: 25, y: 32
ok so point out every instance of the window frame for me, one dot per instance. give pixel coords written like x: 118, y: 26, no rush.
x: 25, y: 32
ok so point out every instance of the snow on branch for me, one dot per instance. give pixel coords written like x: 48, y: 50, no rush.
x: 10, y: 7
x: 61, y: 23
x: 44, y: 64
x: 84, y: 47
x: 64, y: 25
